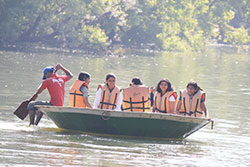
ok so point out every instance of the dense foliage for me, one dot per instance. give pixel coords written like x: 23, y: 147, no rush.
x: 99, y: 24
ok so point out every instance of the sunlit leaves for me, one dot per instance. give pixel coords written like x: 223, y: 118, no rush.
x: 237, y: 36
x: 96, y: 24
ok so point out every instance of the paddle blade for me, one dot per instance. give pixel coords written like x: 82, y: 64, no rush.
x: 22, y: 111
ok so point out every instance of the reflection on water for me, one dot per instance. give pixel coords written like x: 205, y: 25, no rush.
x: 224, y: 76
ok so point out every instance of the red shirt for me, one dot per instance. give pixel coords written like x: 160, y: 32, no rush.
x: 55, y: 85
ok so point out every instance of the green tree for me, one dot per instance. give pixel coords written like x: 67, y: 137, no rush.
x: 97, y: 24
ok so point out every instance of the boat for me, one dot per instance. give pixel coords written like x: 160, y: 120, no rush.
x: 131, y: 124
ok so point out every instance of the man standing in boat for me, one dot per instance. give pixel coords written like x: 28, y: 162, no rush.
x: 55, y: 85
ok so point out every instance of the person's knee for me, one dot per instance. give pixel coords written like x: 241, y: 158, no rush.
x: 30, y: 106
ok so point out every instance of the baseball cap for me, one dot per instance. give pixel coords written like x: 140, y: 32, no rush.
x: 47, y: 69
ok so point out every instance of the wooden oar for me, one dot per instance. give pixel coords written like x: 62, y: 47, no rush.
x: 22, y: 111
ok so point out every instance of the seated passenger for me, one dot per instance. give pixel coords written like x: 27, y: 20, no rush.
x: 192, y: 101
x: 165, y: 97
x: 108, y: 95
x: 136, y: 97
x: 79, y: 92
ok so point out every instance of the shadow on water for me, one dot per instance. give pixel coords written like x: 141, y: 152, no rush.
x: 105, y: 137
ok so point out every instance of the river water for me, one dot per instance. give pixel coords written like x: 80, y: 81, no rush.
x: 223, y: 74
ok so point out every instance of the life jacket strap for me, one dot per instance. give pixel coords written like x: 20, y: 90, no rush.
x: 195, y: 110
x: 130, y: 102
x: 135, y: 102
x: 143, y: 104
x: 114, y: 104
x: 184, y: 104
x: 199, y: 112
x: 75, y: 94
x: 162, y: 111
x: 74, y: 99
x: 135, y: 108
x: 102, y: 99
x: 191, y: 113
x: 165, y: 105
x: 108, y: 103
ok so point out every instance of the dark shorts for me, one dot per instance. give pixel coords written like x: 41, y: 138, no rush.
x: 32, y: 107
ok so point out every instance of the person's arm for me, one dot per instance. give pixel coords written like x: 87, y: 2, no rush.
x: 85, y: 94
x: 178, y: 107
x: 172, y: 104
x: 86, y: 100
x: 39, y: 90
x: 204, y: 108
x: 97, y: 98
x: 119, y: 103
x: 66, y: 71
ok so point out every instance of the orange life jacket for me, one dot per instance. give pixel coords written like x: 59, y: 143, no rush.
x: 76, y: 96
x: 195, y: 108
x: 136, y: 98
x: 162, y: 102
x: 109, y: 99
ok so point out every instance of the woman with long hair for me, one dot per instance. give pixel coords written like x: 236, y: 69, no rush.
x: 192, y: 101
x: 108, y: 95
x: 165, y: 97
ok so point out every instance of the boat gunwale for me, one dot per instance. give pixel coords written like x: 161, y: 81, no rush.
x: 107, y: 114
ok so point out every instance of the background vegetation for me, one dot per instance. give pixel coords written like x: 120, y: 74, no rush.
x: 177, y: 25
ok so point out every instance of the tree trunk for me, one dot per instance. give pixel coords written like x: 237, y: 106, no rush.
x: 26, y: 36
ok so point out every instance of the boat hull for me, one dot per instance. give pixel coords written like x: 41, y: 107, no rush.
x: 148, y: 125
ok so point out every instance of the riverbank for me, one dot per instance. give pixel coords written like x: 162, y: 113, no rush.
x: 115, y: 50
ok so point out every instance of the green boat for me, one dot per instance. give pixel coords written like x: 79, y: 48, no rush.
x: 133, y: 124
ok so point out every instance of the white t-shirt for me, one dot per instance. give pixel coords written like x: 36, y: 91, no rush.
x: 171, y: 98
